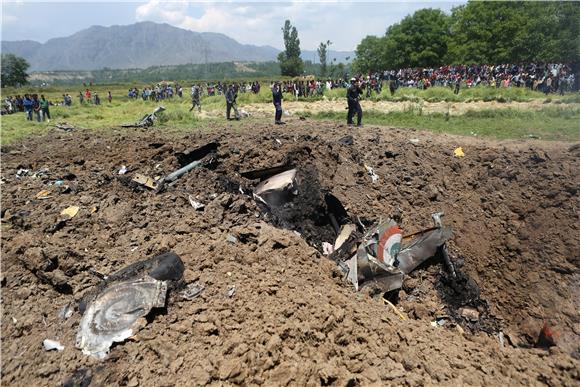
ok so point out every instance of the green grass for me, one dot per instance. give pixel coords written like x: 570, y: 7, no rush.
x: 445, y: 94
x: 550, y: 123
x: 103, y: 117
x: 558, y: 119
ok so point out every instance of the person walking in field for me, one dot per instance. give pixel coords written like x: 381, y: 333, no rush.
x: 352, y: 97
x: 277, y: 100
x: 231, y: 96
x: 109, y: 96
x: 195, y: 98
x: 44, y: 108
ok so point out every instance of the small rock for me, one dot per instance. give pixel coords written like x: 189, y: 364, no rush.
x: 469, y: 314
x: 273, y: 343
x: 232, y: 239
x: 512, y: 243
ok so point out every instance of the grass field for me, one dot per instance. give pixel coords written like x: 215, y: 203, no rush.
x: 558, y: 118
x: 550, y: 123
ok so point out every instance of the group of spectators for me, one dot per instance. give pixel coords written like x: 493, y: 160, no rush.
x: 87, y: 98
x: 547, y: 78
x: 31, y: 104
x: 158, y: 92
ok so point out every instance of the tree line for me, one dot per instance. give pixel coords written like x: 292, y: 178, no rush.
x: 477, y: 33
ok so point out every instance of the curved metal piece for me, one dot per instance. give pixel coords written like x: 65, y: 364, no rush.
x: 114, y: 315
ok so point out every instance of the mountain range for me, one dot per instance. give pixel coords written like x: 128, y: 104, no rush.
x: 142, y: 45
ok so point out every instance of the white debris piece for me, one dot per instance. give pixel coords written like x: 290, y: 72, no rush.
x: 49, y: 345
x: 195, y: 204
x: 327, y: 248
x: 193, y: 290
x: 372, y: 173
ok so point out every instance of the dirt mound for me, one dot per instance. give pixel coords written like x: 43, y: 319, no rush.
x: 293, y: 318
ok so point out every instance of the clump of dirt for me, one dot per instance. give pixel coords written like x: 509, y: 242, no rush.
x: 293, y: 319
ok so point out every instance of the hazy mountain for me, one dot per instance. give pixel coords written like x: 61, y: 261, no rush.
x: 23, y: 48
x: 141, y: 45
x: 134, y: 46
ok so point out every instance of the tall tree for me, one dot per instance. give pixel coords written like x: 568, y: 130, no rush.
x: 290, y: 62
x: 370, y: 55
x: 13, y: 70
x: 322, y: 53
x: 420, y: 40
x: 515, y: 31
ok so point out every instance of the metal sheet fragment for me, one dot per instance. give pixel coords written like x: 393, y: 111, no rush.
x: 115, y: 314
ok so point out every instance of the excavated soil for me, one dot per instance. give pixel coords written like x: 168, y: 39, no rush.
x: 293, y: 319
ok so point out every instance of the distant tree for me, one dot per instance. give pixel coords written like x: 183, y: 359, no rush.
x: 369, y: 55
x: 322, y: 52
x: 510, y: 32
x: 13, y: 70
x: 290, y: 62
x: 419, y: 40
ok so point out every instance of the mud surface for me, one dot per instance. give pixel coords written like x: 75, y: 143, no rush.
x: 293, y: 319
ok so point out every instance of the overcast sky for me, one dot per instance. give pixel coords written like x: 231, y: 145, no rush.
x: 256, y: 22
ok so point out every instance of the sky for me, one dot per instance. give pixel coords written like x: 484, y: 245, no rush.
x: 344, y: 23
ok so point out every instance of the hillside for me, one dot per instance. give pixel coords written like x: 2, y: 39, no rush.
x: 140, y: 45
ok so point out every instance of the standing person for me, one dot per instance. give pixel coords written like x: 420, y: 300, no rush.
x: 27, y: 103
x: 352, y: 97
x: 109, y: 96
x: 81, y: 97
x: 195, y: 100
x: 88, y: 96
x: 97, y: 99
x: 231, y: 96
x: 392, y: 87
x: 44, y: 108
x: 277, y: 100
x: 36, y: 107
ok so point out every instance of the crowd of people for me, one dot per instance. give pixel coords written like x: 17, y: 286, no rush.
x: 547, y: 78
x: 158, y: 92
x: 34, y: 106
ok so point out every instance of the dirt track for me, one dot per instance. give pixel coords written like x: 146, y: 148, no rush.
x: 294, y: 320
x: 452, y: 108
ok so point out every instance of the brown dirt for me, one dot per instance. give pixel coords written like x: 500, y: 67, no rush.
x: 513, y: 207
